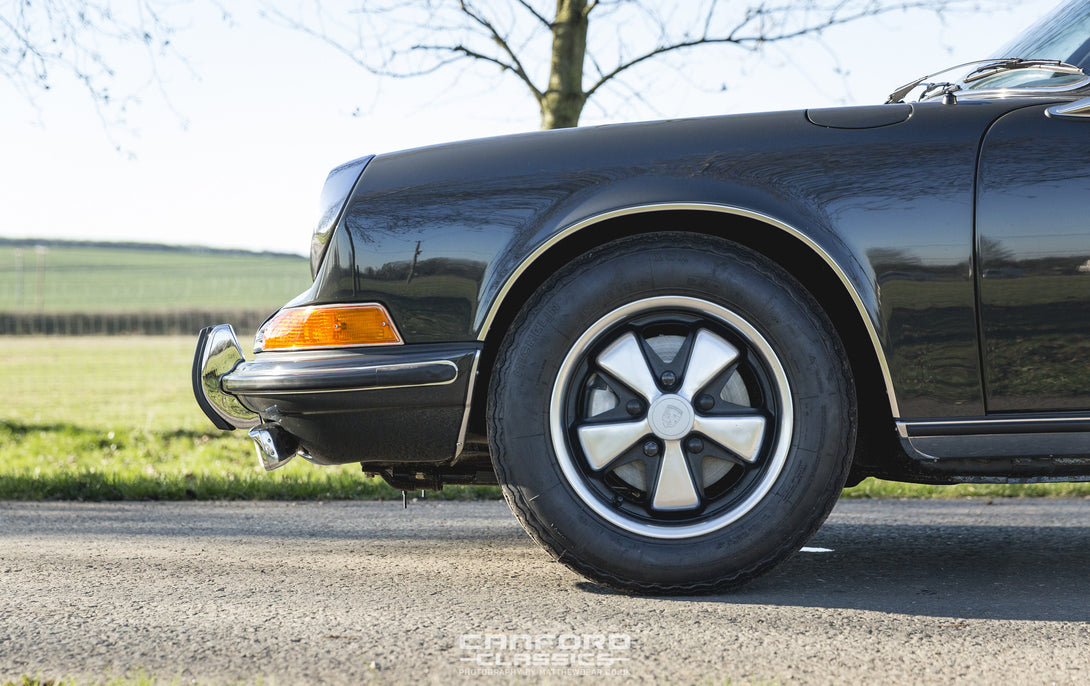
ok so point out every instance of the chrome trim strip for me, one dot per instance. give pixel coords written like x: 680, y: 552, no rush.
x: 1014, y: 92
x: 1031, y: 424
x: 378, y: 369
x: 469, y: 405
x: 707, y: 207
x: 1079, y: 109
x: 1058, y: 449
x: 322, y: 371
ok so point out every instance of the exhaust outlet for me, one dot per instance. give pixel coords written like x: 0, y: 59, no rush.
x: 275, y: 447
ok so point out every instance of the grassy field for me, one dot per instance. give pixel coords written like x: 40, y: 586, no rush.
x: 113, y: 418
x: 62, y: 278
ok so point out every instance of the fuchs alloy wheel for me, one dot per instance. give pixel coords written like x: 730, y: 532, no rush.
x: 671, y: 413
x: 671, y: 417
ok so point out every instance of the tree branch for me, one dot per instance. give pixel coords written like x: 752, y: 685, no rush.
x: 755, y: 41
x: 651, y: 54
x: 516, y: 65
x: 544, y: 21
x: 463, y: 52
x: 42, y: 40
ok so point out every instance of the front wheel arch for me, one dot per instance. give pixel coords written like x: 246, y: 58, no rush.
x: 876, y: 444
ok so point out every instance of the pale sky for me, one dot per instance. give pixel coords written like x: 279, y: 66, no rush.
x: 238, y: 155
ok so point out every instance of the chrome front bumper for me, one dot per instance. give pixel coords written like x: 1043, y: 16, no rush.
x: 339, y: 406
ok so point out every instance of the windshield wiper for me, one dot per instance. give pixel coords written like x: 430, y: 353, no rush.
x: 1006, y: 65
x: 988, y: 68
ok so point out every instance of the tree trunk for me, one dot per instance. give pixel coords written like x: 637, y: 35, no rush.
x: 564, y: 100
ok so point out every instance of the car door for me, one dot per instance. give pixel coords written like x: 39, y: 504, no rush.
x: 1033, y: 259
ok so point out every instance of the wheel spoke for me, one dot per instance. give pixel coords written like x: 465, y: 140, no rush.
x: 624, y: 360
x: 742, y: 435
x: 674, y: 489
x: 709, y: 357
x: 603, y: 443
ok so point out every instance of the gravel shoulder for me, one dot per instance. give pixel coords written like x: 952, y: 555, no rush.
x: 962, y: 591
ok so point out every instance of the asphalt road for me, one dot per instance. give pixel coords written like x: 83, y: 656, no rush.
x: 911, y: 592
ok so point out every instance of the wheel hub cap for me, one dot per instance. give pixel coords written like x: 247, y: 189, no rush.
x: 671, y: 417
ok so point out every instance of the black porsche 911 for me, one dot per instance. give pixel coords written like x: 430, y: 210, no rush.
x: 673, y: 343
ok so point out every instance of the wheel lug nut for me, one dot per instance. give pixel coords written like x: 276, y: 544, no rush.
x: 634, y: 407
x: 668, y: 378
x: 705, y: 402
x: 650, y: 448
x: 694, y: 445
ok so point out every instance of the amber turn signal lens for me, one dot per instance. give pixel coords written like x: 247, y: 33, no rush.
x: 333, y: 326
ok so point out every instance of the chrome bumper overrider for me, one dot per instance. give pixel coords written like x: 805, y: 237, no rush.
x: 236, y: 394
x: 218, y: 354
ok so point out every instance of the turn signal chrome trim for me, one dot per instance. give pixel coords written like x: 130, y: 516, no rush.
x: 327, y: 326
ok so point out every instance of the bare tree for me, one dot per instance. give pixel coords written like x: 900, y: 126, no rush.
x: 555, y: 54
x: 112, y: 49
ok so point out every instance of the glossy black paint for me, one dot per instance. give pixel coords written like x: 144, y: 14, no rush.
x: 438, y: 233
x: 1033, y: 237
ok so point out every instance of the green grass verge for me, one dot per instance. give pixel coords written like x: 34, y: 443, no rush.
x: 113, y: 418
x: 66, y: 462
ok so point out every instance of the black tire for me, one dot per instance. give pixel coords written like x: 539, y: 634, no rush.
x: 687, y: 484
